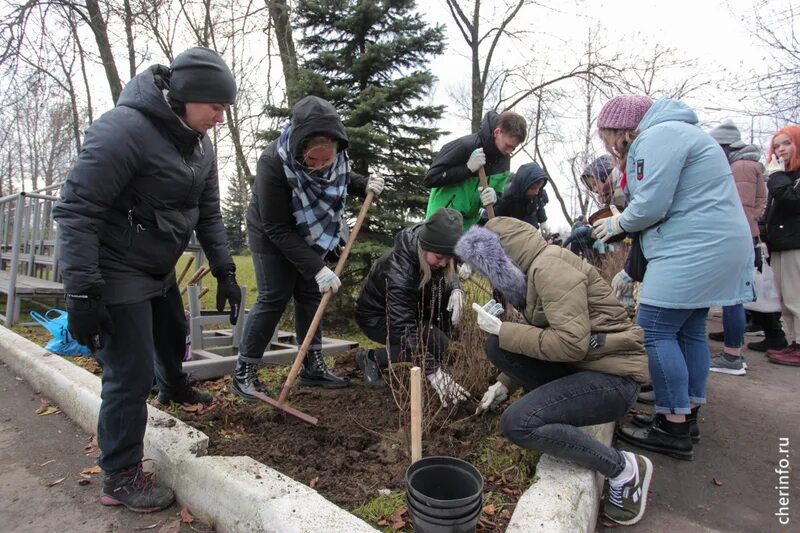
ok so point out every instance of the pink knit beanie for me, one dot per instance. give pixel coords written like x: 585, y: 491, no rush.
x: 623, y: 112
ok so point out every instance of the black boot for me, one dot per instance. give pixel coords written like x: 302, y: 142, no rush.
x: 315, y: 373
x: 647, y: 397
x: 663, y: 436
x: 768, y: 344
x: 365, y: 359
x: 643, y: 421
x: 185, y: 394
x: 135, y: 489
x: 246, y: 383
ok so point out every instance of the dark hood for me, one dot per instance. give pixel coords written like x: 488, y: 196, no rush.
x: 748, y: 152
x: 314, y: 116
x: 486, y: 136
x: 144, y: 93
x: 527, y: 175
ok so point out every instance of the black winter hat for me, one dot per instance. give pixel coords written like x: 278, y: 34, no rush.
x: 440, y: 233
x: 200, y: 75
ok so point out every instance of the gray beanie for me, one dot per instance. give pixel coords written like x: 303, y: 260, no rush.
x: 201, y: 75
x: 440, y: 233
x: 726, y: 133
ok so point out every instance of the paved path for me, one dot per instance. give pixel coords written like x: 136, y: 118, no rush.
x: 38, y: 450
x: 741, y: 430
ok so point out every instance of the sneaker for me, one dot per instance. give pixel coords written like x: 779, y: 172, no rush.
x: 718, y: 336
x: 643, y: 421
x: 186, y: 394
x: 728, y: 364
x: 787, y: 349
x: 245, y: 382
x: 767, y: 344
x: 135, y: 489
x: 789, y: 358
x: 663, y: 436
x: 625, y: 503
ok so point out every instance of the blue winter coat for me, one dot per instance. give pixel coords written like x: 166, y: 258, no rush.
x: 683, y: 197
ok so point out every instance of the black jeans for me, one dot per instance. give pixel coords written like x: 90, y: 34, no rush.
x: 148, y: 338
x: 559, y: 399
x: 771, y: 324
x: 278, y: 281
x: 434, y: 340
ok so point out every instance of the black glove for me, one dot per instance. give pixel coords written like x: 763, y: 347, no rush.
x: 759, y: 259
x: 88, y: 319
x: 229, y: 290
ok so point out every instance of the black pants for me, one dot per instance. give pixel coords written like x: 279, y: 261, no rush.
x: 560, y: 398
x: 148, y: 338
x: 771, y: 324
x: 434, y: 343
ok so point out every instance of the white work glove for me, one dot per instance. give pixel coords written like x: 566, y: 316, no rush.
x: 622, y: 284
x: 493, y: 396
x: 448, y: 390
x: 454, y: 305
x: 487, y: 321
x: 327, y: 280
x: 488, y: 196
x: 605, y: 228
x: 775, y: 164
x: 375, y: 183
x: 464, y: 271
x: 476, y: 160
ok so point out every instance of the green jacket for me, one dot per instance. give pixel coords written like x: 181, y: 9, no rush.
x: 453, y: 185
x: 567, y: 303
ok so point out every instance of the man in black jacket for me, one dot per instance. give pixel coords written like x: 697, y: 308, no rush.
x: 453, y: 175
x: 145, y: 179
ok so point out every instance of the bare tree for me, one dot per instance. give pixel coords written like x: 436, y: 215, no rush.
x: 281, y: 22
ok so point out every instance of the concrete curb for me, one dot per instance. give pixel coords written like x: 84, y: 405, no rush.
x: 239, y: 494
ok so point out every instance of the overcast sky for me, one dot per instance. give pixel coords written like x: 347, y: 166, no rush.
x: 708, y: 31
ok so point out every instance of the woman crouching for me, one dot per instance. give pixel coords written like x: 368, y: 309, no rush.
x: 411, y: 299
x: 578, y: 356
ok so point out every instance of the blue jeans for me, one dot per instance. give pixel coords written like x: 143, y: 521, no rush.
x: 278, y: 281
x: 677, y: 355
x: 733, y: 323
x: 561, y: 397
x: 149, y: 339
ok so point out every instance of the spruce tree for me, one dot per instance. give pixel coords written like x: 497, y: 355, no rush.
x: 234, y: 209
x: 369, y: 59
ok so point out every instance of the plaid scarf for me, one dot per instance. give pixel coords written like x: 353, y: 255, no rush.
x: 318, y: 200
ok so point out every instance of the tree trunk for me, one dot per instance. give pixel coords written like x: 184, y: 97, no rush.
x: 477, y: 78
x: 129, y: 38
x: 279, y: 13
x: 104, y: 47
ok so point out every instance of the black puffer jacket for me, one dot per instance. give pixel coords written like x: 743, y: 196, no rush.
x: 782, y: 217
x: 393, y: 285
x: 271, y: 226
x: 450, y: 164
x: 141, y: 184
x: 515, y: 202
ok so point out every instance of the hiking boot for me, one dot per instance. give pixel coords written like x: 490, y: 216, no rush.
x: 663, y: 436
x: 648, y: 398
x: 625, y: 503
x: 315, y: 373
x: 643, y: 421
x: 767, y: 344
x: 245, y: 381
x: 718, y: 336
x: 790, y: 358
x: 728, y: 364
x: 135, y: 489
x: 186, y: 394
x: 365, y: 359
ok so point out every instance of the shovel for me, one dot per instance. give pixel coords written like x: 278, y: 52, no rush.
x: 280, y: 403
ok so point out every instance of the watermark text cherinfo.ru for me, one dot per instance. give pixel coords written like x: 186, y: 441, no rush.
x: 783, y: 470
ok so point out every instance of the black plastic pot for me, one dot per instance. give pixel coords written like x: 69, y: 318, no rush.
x: 424, y: 523
x: 444, y: 482
x: 461, y: 511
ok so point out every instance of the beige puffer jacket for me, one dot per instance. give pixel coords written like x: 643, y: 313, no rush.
x: 567, y: 302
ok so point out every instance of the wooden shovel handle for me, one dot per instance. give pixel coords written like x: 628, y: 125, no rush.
x: 485, y: 183
x: 301, y: 353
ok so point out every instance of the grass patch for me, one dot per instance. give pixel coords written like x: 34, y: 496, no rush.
x: 380, y: 509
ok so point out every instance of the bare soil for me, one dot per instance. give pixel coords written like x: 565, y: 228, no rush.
x: 360, y: 445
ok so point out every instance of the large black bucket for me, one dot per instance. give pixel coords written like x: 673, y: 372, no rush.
x: 445, y: 495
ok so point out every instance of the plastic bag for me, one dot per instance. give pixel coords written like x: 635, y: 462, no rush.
x: 62, y: 343
x: 768, y: 300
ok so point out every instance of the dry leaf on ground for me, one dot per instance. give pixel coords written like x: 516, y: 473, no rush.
x: 314, y: 482
x: 48, y: 462
x: 84, y: 481
x: 56, y: 482
x: 489, y: 509
x: 92, y: 470
x: 186, y: 516
x: 46, y: 409
x: 716, y: 482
